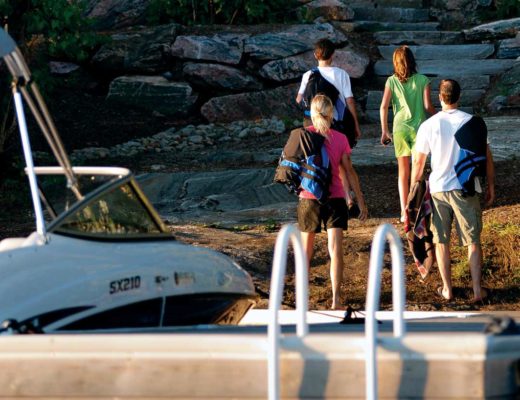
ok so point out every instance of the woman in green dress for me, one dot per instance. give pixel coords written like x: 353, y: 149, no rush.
x: 409, y: 93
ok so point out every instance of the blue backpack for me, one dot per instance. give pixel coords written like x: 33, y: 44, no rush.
x: 304, y: 164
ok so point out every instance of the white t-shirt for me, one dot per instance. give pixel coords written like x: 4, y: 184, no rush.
x: 337, y: 76
x: 436, y: 135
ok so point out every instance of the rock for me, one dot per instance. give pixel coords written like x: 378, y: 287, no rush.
x: 225, y: 48
x: 509, y: 48
x: 494, y: 30
x: 111, y: 14
x: 62, y: 68
x: 508, y: 86
x: 374, y: 26
x: 294, y: 40
x: 138, y: 51
x: 249, y: 106
x: 353, y: 62
x: 443, y: 68
x: 153, y: 93
x: 497, y: 104
x: 419, y: 37
x: 195, y: 139
x: 443, y: 52
x: 220, y: 77
x: 390, y: 14
x: 332, y: 10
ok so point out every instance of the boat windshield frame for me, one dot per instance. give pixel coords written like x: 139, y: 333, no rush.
x: 122, y: 176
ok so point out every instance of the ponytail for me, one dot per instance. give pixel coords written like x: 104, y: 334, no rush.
x: 322, y: 113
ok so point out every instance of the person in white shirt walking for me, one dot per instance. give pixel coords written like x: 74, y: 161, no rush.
x: 442, y: 136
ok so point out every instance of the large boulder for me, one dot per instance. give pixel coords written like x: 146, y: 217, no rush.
x: 505, y: 94
x: 443, y: 52
x: 509, y: 48
x: 279, y: 102
x: 224, y: 48
x: 332, y: 10
x: 140, y: 51
x: 113, y: 14
x: 494, y: 30
x: 294, y: 40
x: 352, y: 61
x: 220, y: 77
x: 153, y: 93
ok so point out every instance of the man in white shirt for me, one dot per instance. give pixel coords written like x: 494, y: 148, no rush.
x: 437, y: 136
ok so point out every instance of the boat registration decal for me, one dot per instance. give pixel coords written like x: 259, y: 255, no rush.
x: 125, y: 284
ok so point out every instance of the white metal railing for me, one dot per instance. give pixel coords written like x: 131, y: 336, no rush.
x: 288, y: 232
x: 383, y: 234
x: 26, y: 144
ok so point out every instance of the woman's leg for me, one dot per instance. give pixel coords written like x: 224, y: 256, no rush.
x: 403, y: 165
x: 335, y: 245
x: 308, y: 245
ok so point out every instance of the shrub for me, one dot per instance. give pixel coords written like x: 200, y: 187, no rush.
x: 191, y: 12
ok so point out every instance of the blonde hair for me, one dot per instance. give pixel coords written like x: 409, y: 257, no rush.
x: 404, y: 63
x: 322, y: 113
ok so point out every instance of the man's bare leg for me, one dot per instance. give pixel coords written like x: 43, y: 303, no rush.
x: 335, y: 245
x: 475, y: 266
x: 442, y: 253
x: 403, y: 166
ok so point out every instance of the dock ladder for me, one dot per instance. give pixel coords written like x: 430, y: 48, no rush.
x: 288, y: 233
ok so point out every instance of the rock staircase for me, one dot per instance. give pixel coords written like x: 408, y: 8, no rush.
x: 470, y: 59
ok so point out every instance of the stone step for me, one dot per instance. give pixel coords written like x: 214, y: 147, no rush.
x: 466, y: 82
x: 389, y: 3
x: 443, y: 52
x: 467, y: 98
x: 373, y: 115
x: 390, y: 14
x: 376, y: 26
x: 419, y: 37
x: 447, y: 68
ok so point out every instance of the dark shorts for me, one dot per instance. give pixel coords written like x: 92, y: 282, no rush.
x: 332, y: 214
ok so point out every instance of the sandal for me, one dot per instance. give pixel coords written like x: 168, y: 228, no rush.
x: 439, y: 292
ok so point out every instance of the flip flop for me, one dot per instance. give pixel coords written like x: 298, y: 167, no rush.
x: 439, y: 292
x: 483, y: 296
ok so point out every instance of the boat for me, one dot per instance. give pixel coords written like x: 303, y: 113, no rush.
x: 100, y: 258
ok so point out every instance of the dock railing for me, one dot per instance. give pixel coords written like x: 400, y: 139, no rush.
x: 288, y: 232
x: 383, y: 234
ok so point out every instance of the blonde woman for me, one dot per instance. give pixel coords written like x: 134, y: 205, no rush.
x: 333, y: 213
x: 410, y: 96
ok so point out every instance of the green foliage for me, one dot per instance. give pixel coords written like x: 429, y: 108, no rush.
x: 64, y: 28
x: 191, y: 12
x: 43, y: 29
x: 507, y: 8
x: 501, y: 9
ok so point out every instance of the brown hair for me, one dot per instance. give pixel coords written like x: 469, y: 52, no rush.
x: 449, y: 90
x: 322, y: 112
x: 404, y: 63
x: 324, y: 49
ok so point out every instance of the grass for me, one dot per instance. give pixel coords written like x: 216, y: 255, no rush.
x: 501, y: 259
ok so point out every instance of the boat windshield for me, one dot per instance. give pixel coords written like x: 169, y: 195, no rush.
x: 112, y: 207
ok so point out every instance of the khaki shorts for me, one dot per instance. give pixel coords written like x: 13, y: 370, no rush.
x: 467, y: 213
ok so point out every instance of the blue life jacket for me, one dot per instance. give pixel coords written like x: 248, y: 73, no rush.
x: 472, y: 140
x: 304, y: 164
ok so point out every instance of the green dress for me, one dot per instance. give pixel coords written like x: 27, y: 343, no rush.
x: 408, y: 108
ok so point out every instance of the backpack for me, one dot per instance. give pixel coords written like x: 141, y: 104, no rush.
x: 317, y: 84
x: 304, y: 164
